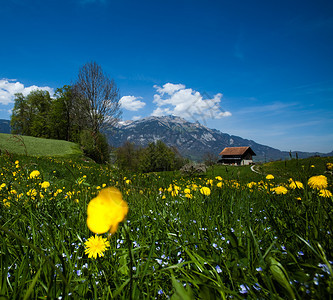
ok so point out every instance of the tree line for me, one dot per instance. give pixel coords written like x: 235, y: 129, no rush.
x: 155, y: 157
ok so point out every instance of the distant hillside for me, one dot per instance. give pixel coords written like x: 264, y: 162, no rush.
x: 37, y: 146
x: 4, y: 126
x: 193, y: 140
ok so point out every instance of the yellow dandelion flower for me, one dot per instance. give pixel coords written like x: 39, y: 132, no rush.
x: 34, y: 174
x: 218, y: 178
x: 295, y: 184
x: 174, y: 193
x: 209, y: 182
x: 45, y: 185
x: 106, y: 211
x: 190, y: 196
x: 325, y: 193
x: 251, y: 184
x: 299, y: 198
x: 128, y: 181
x: 269, y: 177
x: 16, y: 162
x: 329, y: 166
x: 318, y: 182
x: 96, y: 245
x: 32, y: 193
x: 280, y: 190
x: 187, y: 191
x: 205, y: 191
x: 6, y: 203
x: 219, y: 184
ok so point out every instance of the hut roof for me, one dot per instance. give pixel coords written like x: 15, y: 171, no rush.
x: 236, y: 151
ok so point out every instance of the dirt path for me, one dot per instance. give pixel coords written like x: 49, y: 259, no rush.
x: 253, y: 170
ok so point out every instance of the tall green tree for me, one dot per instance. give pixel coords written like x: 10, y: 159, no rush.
x: 21, y: 116
x: 61, y: 115
x: 30, y: 114
x: 39, y: 103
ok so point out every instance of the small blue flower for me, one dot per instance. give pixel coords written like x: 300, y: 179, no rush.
x: 243, y: 288
x: 218, y: 269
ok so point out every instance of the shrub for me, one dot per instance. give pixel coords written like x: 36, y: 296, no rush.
x: 193, y: 169
x: 95, y: 146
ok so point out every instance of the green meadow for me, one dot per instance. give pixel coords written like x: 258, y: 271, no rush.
x: 34, y: 146
x: 248, y: 238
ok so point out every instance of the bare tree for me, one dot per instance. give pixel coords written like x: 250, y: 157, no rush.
x: 96, y: 97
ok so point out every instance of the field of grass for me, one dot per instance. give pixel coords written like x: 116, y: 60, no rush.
x: 37, y: 146
x: 243, y: 239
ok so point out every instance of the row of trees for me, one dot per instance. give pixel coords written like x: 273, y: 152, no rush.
x: 154, y: 157
x: 75, y: 113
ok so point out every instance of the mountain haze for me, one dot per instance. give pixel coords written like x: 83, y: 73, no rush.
x: 193, y: 140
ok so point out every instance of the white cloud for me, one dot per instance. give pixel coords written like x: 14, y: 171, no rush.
x: 131, y: 103
x: 9, y: 87
x: 169, y: 88
x: 186, y: 103
x: 136, y: 118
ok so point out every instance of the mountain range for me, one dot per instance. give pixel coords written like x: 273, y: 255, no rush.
x: 193, y: 140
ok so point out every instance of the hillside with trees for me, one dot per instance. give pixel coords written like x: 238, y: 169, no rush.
x: 76, y: 113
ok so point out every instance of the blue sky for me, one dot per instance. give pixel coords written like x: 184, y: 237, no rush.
x: 262, y: 70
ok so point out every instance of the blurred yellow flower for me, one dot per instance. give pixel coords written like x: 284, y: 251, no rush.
x: 251, y: 184
x: 174, y: 193
x: 318, y: 182
x: 329, y: 166
x: 269, y: 177
x: 187, y: 191
x: 325, y: 193
x: 205, y: 191
x: 190, y: 196
x: 45, y: 185
x: 209, y: 181
x: 219, y: 184
x: 128, y: 181
x: 106, y: 211
x: 280, y: 190
x: 96, y: 245
x: 218, y: 178
x: 32, y: 193
x: 34, y: 174
x: 295, y: 184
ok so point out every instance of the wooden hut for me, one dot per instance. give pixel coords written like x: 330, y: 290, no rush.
x: 237, y: 156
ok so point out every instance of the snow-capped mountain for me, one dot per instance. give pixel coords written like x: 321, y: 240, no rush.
x: 193, y: 140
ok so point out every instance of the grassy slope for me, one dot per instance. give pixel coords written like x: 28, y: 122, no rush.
x: 289, y: 168
x: 37, y: 146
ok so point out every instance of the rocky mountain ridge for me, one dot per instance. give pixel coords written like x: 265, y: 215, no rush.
x: 193, y: 140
